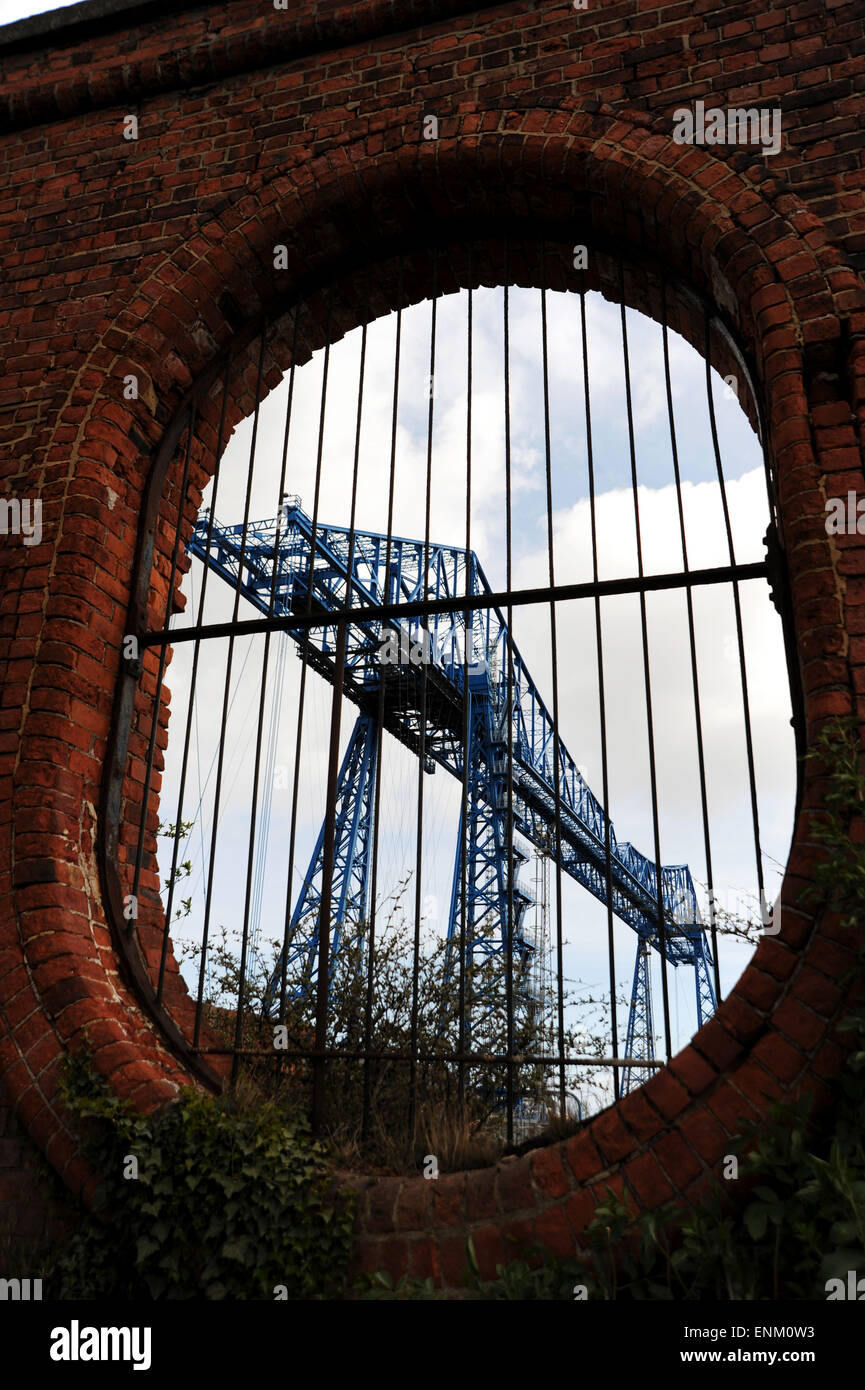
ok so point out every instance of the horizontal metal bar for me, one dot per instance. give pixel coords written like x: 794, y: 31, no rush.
x: 469, y: 1058
x: 725, y: 574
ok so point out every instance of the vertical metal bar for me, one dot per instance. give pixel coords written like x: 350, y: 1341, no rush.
x: 293, y: 823
x: 208, y: 897
x: 196, y: 651
x: 380, y: 705
x: 263, y: 684
x: 602, y: 699
x: 509, y: 977
x: 325, y: 901
x: 695, y: 681
x: 160, y: 676
x: 317, y: 489
x: 253, y: 817
x: 287, y: 935
x: 650, y: 727
x: 464, y: 975
x: 423, y: 628
x: 554, y: 652
x: 746, y: 707
x: 370, y: 943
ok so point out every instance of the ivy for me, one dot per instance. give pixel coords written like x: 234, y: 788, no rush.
x: 203, y: 1199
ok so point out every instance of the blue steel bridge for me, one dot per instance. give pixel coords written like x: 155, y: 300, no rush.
x: 284, y: 566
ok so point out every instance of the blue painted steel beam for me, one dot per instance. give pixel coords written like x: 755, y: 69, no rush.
x: 284, y: 566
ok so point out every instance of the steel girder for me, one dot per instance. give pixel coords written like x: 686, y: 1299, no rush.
x: 640, y: 1040
x: 287, y: 566
x: 481, y: 915
x: 355, y: 798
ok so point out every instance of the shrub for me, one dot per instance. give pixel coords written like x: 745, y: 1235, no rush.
x: 228, y: 1202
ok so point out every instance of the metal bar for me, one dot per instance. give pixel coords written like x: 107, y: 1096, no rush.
x: 466, y: 1058
x: 262, y: 699
x: 325, y: 898
x: 187, y: 736
x: 746, y: 707
x: 509, y: 978
x: 554, y: 653
x: 467, y: 603
x: 154, y: 723
x: 208, y: 897
x: 602, y: 700
x: 695, y: 681
x: 292, y: 835
x: 466, y: 732
x: 324, y: 911
x: 650, y: 728
x: 422, y: 730
x: 376, y: 814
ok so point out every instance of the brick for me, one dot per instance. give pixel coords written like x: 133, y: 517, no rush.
x: 582, y: 1157
x: 779, y: 1057
x: 423, y: 1260
x: 611, y: 1137
x: 448, y: 1199
x: 715, y: 1042
x: 412, y: 1207
x: 452, y: 1259
x: 732, y: 1109
x: 646, y: 1180
x: 480, y: 1194
x: 514, y: 1185
x: 579, y: 1209
x: 549, y: 1173
x: 380, y: 1204
x: 692, y: 1070
x: 664, y: 1092
x: 705, y: 1135
x: 677, y: 1159
x: 553, y: 1232
x: 490, y: 1250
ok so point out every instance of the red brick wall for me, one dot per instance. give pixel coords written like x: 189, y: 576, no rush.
x: 30, y: 1212
x: 258, y: 127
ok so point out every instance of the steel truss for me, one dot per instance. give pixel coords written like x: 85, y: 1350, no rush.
x: 429, y: 666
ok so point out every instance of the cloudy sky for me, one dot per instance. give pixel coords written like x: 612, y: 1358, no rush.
x: 680, y: 826
x: 10, y: 10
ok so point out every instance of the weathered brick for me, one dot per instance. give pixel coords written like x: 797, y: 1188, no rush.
x: 312, y: 111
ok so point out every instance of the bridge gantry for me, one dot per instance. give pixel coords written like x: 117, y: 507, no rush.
x: 441, y: 678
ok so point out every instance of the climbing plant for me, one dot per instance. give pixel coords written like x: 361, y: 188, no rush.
x: 206, y: 1198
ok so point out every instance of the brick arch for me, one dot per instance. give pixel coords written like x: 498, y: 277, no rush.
x: 785, y: 290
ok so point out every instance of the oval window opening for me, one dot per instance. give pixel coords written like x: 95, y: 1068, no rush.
x: 479, y: 668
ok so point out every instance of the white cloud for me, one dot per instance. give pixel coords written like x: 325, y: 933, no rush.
x: 680, y: 825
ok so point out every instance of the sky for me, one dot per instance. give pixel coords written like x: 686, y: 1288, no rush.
x: 584, y: 922
x: 10, y: 10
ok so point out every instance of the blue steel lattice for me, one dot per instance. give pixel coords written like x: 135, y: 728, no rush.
x: 326, y: 569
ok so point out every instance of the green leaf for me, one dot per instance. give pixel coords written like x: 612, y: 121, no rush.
x: 755, y: 1220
